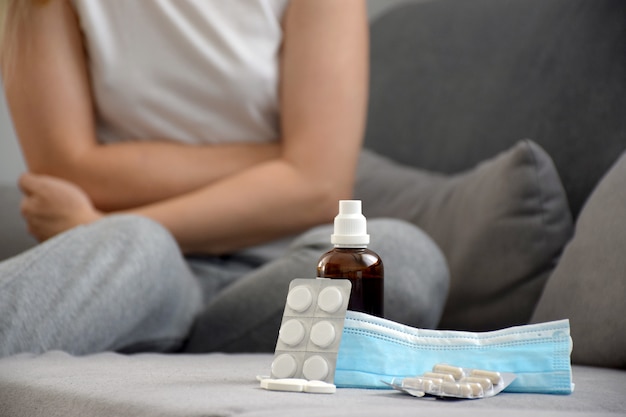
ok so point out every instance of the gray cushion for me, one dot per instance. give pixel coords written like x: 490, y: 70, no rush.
x: 455, y: 81
x: 589, y: 284
x: 501, y: 226
x: 108, y: 384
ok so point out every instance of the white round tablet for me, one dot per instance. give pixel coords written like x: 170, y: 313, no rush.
x: 319, y: 387
x: 323, y: 334
x: 291, y: 332
x: 284, y: 366
x: 315, y: 368
x: 330, y: 299
x: 286, y: 384
x: 299, y: 298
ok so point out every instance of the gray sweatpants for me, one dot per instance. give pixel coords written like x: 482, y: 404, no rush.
x: 122, y: 284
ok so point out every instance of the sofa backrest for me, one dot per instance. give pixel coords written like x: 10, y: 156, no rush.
x: 454, y: 82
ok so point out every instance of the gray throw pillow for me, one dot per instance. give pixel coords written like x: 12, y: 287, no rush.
x: 589, y: 285
x: 502, y: 227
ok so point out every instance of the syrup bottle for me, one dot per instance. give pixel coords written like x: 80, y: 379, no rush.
x: 351, y: 259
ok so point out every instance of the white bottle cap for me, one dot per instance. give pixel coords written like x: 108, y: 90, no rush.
x: 350, y: 226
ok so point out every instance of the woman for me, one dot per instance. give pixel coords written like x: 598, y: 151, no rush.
x: 217, y: 129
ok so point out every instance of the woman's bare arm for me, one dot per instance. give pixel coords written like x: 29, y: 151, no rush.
x: 51, y: 105
x: 323, y: 95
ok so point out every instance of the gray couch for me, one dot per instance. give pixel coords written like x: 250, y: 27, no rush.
x: 514, y: 112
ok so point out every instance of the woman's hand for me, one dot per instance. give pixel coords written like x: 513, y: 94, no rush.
x: 52, y: 205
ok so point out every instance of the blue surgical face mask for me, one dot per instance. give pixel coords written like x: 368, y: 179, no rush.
x: 373, y: 350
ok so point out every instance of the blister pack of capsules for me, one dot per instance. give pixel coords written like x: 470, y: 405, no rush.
x: 311, y: 329
x: 447, y: 381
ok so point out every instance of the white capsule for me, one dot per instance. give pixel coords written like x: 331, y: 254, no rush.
x: 420, y: 384
x: 424, y: 384
x: 485, y: 383
x: 439, y: 375
x: 456, y: 372
x: 477, y: 390
x: 462, y: 390
x: 450, y: 388
x: 494, y: 377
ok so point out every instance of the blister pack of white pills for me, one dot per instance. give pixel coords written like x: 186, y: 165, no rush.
x: 309, y: 335
x: 447, y: 381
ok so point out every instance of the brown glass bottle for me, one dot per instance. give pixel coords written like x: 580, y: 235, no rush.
x: 364, y: 269
x: 352, y: 260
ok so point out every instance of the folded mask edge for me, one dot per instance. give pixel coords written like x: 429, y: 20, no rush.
x: 361, y: 322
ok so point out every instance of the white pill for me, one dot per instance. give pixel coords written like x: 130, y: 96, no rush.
x: 462, y: 390
x: 284, y: 366
x: 494, y: 377
x: 319, y: 387
x: 420, y: 384
x: 291, y: 332
x: 330, y: 299
x: 315, y: 368
x: 485, y: 383
x: 323, y: 334
x: 438, y: 375
x: 285, y: 384
x: 477, y: 390
x: 299, y: 298
x: 455, y: 371
x: 451, y: 388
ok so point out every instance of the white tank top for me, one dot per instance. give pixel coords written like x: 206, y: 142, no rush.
x: 194, y: 71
